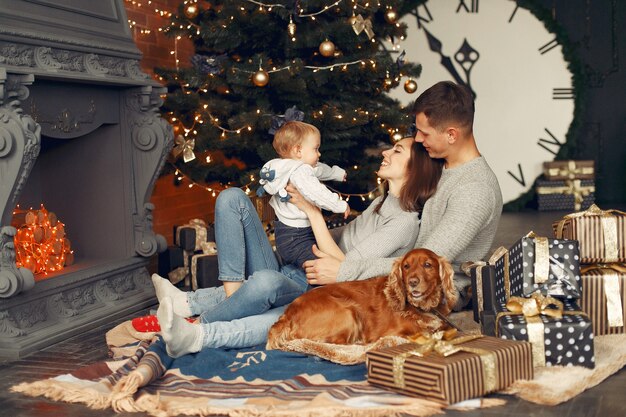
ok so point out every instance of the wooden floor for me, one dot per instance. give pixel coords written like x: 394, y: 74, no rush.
x: 604, y: 400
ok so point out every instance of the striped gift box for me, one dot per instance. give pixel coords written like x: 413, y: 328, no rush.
x: 484, y: 364
x: 604, y: 297
x: 601, y: 233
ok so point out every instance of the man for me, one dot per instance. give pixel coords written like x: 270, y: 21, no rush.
x: 460, y: 220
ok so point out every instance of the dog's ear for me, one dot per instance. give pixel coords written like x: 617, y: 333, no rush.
x: 395, y: 289
x: 449, y: 293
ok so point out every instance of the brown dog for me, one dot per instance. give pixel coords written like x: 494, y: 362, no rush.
x: 363, y: 311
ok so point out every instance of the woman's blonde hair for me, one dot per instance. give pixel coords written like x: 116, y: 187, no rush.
x: 291, y: 134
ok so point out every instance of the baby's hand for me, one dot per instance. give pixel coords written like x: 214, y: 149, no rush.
x: 347, y: 213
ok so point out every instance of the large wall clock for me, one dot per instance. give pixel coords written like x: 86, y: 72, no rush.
x: 516, y: 70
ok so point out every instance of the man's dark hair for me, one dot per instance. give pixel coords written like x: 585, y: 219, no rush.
x: 446, y: 103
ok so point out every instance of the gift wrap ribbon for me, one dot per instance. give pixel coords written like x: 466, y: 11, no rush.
x: 532, y: 308
x: 445, y: 348
x: 571, y: 187
x: 466, y: 267
x: 570, y: 171
x: 608, y: 220
x: 610, y: 278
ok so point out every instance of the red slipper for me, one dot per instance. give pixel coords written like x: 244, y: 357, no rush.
x: 150, y: 323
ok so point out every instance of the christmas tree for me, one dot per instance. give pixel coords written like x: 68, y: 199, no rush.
x: 330, y: 62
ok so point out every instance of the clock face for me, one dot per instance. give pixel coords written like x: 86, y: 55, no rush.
x: 516, y: 70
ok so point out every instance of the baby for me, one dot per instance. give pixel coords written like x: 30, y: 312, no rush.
x: 297, y: 144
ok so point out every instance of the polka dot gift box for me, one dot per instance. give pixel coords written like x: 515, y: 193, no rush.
x: 533, y: 263
x: 566, y: 341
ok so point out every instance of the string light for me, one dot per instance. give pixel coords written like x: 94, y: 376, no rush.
x: 40, y: 242
x: 205, y: 114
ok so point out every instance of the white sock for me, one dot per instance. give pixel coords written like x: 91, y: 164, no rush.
x: 164, y: 288
x: 180, y: 336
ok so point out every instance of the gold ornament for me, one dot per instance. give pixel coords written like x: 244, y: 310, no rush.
x: 391, y: 16
x: 388, y: 83
x: 410, y: 86
x: 327, y: 48
x: 191, y: 10
x: 260, y: 78
x: 291, y: 27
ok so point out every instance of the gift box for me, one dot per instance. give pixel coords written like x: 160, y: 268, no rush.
x: 559, y: 336
x: 477, y: 365
x: 488, y: 321
x: 191, y: 235
x: 604, y: 297
x: 565, y: 195
x: 569, y: 170
x: 204, y: 271
x: 483, y: 277
x: 535, y: 263
x: 169, y: 260
x: 601, y: 233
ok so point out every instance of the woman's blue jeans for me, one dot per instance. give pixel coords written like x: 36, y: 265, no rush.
x: 243, y: 250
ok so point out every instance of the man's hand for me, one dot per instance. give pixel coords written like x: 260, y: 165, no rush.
x: 322, y: 270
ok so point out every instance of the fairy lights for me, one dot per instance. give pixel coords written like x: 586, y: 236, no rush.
x: 40, y: 243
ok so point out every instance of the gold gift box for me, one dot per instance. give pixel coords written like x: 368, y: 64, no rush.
x: 484, y: 364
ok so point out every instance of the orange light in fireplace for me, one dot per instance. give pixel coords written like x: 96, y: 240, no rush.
x: 40, y: 241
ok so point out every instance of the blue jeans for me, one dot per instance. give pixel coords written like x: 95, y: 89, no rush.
x: 293, y: 244
x: 244, y: 318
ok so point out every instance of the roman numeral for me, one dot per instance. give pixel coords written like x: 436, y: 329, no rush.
x: 513, y: 14
x: 562, y: 93
x: 548, y: 46
x: 473, y: 7
x: 519, y: 179
x: 544, y: 143
x: 425, y: 18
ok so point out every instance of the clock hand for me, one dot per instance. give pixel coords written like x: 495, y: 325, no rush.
x: 466, y: 57
x: 435, y: 45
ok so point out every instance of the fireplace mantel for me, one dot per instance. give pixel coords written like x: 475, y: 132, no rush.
x: 80, y: 131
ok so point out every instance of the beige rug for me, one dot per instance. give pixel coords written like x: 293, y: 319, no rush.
x: 551, y: 385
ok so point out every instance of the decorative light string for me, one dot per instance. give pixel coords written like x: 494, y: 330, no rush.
x: 40, y: 243
x: 191, y: 132
x: 214, y: 191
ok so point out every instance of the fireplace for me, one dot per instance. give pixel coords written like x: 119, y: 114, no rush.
x: 80, y: 133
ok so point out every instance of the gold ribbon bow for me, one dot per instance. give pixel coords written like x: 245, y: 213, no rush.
x: 535, y: 305
x: 608, y: 219
x: 185, y: 147
x: 610, y: 278
x: 445, y: 348
x: 570, y: 171
x: 362, y: 25
x: 573, y: 187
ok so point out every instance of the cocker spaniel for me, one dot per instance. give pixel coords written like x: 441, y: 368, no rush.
x: 361, y: 312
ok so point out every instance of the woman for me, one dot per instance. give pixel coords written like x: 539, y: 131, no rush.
x: 242, y: 318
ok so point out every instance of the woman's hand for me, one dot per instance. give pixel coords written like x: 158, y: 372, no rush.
x: 299, y: 201
x: 323, y: 270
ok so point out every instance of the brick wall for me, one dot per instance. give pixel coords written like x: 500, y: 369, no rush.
x: 174, y: 205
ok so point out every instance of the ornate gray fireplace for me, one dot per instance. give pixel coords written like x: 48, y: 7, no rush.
x: 79, y: 132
